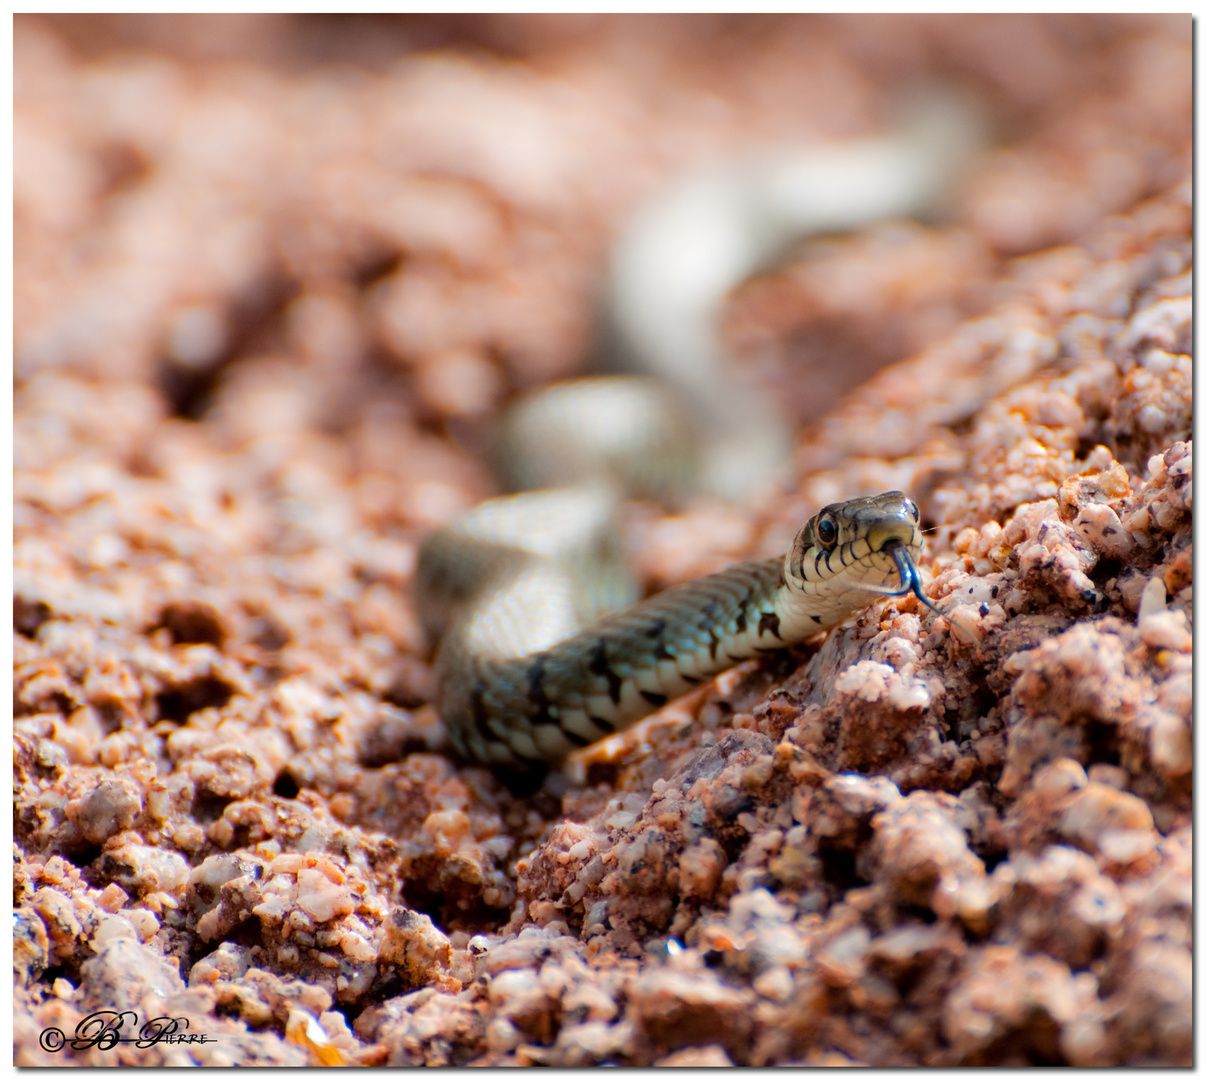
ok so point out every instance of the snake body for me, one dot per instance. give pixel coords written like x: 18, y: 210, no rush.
x: 506, y: 704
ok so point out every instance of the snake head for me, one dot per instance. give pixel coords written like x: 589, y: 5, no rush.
x: 875, y: 519
x: 866, y: 545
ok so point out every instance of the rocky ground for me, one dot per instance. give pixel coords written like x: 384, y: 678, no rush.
x: 276, y: 276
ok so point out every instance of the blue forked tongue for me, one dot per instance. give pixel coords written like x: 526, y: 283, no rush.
x: 911, y: 580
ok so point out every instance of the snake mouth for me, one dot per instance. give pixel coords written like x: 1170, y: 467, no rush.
x: 911, y: 579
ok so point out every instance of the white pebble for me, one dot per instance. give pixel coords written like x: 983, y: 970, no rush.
x: 1153, y: 598
x: 1165, y: 630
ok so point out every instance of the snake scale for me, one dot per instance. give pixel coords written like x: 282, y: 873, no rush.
x: 513, y: 707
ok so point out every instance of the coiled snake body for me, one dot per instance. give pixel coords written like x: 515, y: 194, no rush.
x: 505, y: 704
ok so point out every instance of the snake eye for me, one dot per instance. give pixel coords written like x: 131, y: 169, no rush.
x: 827, y: 531
x: 911, y: 508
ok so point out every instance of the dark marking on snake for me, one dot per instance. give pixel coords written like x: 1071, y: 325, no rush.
x: 713, y: 642
x: 573, y: 736
x: 770, y: 621
x: 816, y: 619
x: 658, y: 630
x: 477, y: 705
x: 536, y: 686
x: 743, y: 604
x: 602, y: 724
x: 657, y: 700
x: 600, y: 666
x: 691, y: 680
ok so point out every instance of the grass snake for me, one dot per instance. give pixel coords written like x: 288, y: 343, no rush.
x: 508, y: 704
x: 542, y: 648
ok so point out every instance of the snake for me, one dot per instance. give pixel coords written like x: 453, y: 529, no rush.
x: 543, y: 648
x: 512, y: 707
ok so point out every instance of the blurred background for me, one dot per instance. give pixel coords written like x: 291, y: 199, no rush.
x: 354, y: 238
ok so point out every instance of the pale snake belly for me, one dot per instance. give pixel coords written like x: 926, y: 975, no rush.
x: 516, y: 710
